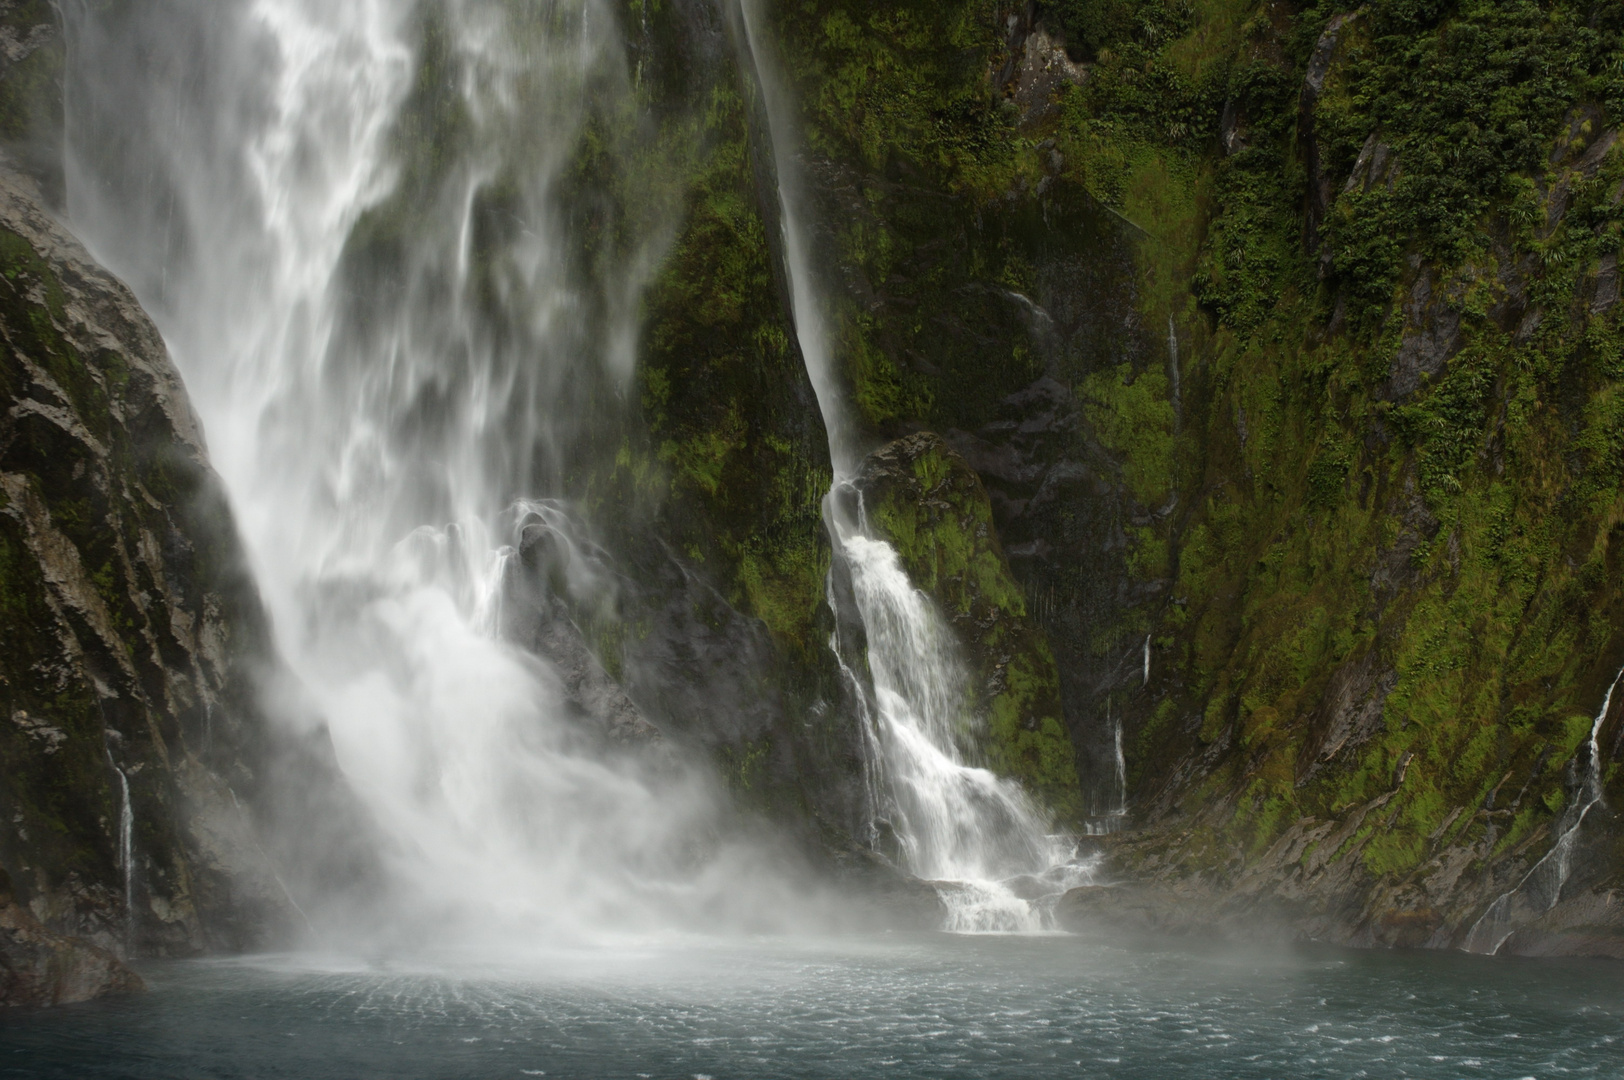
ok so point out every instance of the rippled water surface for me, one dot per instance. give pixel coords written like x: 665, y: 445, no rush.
x: 917, y: 1006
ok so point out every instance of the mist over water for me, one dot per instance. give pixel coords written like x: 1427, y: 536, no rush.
x: 932, y: 1006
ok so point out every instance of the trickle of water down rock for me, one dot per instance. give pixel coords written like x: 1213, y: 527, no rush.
x: 1541, y: 888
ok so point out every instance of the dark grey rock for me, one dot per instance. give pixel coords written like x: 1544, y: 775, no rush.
x: 136, y: 644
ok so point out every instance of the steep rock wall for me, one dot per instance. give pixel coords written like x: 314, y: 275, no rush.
x: 151, y: 807
x: 1301, y: 400
x: 979, y: 291
x: 130, y: 625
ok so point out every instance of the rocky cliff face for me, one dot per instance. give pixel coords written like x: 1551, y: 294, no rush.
x: 1288, y: 361
x: 133, y: 741
x: 1243, y: 380
x: 150, y: 806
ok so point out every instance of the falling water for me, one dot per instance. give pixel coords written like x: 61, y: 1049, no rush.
x: 1121, y: 807
x: 1541, y: 888
x: 125, y: 855
x: 1111, y: 809
x: 1173, y: 369
x: 977, y: 836
x: 383, y: 372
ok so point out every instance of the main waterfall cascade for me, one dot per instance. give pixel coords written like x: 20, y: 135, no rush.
x: 979, y: 838
x: 232, y: 160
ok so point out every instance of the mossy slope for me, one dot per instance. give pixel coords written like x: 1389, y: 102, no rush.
x: 1396, y: 603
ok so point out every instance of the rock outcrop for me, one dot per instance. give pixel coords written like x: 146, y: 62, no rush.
x: 38, y: 967
x: 134, y: 755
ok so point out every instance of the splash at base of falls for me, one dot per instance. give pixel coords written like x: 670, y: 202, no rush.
x: 1023, y: 904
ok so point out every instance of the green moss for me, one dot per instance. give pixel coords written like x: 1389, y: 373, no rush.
x: 1133, y: 417
x: 1299, y: 544
x: 1025, y: 736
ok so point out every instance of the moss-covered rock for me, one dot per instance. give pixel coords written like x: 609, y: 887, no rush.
x: 1311, y: 474
x: 1392, y: 616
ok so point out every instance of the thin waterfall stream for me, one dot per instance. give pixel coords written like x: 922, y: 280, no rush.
x: 995, y: 860
x: 1540, y: 889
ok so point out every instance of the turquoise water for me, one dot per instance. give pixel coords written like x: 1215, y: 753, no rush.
x: 895, y: 1007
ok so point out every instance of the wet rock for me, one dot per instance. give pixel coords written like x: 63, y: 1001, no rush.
x: 38, y: 967
x: 1043, y: 71
x: 1349, y: 713
x: 1590, y: 923
x: 537, y: 615
x: 879, y: 896
x: 1131, y: 909
x: 135, y: 755
x: 1321, y: 187
x: 1606, y: 294
x: 1431, y: 337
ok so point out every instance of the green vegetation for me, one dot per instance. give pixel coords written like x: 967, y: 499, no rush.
x: 1400, y: 427
x: 1457, y: 521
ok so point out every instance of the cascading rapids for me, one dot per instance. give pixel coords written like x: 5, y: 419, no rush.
x: 976, y: 836
x: 373, y: 361
x: 973, y: 833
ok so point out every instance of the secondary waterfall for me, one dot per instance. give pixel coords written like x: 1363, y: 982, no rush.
x: 977, y: 836
x: 1541, y: 888
x: 301, y: 192
x: 126, y: 847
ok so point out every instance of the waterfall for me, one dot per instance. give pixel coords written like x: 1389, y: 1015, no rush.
x: 1541, y: 888
x: 1121, y: 771
x: 976, y: 836
x: 1112, y: 810
x: 392, y: 347
x: 1173, y: 370
x: 124, y: 856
